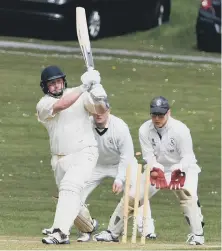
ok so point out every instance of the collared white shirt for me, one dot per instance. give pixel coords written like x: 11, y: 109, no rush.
x: 174, y: 146
x: 115, y: 145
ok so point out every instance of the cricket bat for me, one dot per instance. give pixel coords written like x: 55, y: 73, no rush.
x: 83, y: 37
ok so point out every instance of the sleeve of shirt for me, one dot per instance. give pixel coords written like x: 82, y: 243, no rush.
x: 126, y: 148
x: 45, y: 109
x: 147, y: 149
x: 185, y: 149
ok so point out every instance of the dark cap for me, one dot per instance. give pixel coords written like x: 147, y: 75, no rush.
x: 51, y: 72
x: 159, y: 105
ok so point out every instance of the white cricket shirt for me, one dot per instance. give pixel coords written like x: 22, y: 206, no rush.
x: 173, y: 145
x: 115, y: 145
x: 70, y: 130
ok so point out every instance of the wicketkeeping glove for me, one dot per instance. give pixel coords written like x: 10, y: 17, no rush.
x: 177, y: 179
x: 159, y: 181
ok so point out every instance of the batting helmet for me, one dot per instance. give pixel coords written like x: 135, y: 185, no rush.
x: 50, y: 73
x: 159, y: 105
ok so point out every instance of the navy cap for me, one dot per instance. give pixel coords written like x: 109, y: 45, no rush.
x: 159, y: 105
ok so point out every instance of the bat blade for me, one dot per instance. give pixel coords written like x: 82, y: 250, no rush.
x: 83, y: 37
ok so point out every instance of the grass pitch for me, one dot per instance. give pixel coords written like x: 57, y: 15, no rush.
x: 34, y: 244
x: 26, y: 180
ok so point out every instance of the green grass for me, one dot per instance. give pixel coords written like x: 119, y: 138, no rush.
x: 26, y: 180
x: 33, y: 243
x: 176, y: 37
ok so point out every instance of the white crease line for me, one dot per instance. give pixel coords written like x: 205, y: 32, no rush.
x: 73, y: 241
x: 106, y: 58
x: 25, y: 241
x: 117, y: 52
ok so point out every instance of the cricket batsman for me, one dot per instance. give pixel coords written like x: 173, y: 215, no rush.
x: 65, y: 113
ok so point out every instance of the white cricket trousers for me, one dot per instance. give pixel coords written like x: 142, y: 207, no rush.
x: 105, y: 171
x: 71, y: 174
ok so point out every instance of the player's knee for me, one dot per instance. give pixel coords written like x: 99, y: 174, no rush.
x: 131, y: 202
x: 186, y: 199
x: 71, y: 186
x: 83, y: 221
x: 183, y: 194
x: 120, y: 206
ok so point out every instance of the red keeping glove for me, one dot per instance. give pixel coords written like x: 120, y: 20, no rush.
x: 158, y: 180
x: 177, y: 179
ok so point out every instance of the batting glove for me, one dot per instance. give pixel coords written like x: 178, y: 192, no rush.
x: 97, y: 92
x: 177, y: 179
x: 158, y: 181
x: 89, y: 79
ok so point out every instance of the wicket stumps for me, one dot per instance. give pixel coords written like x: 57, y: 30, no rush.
x: 136, y: 204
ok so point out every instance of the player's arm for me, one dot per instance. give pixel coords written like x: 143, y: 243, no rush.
x: 88, y: 79
x: 125, y: 146
x: 126, y: 149
x: 147, y: 150
x: 48, y: 108
x: 185, y: 150
x: 95, y: 101
x: 157, y: 177
x: 67, y: 100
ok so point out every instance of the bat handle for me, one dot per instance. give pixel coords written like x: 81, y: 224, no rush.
x: 90, y: 68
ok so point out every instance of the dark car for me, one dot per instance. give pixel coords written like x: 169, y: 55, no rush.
x: 208, y: 26
x: 104, y: 16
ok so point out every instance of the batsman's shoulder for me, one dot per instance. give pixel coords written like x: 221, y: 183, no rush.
x: 44, y: 101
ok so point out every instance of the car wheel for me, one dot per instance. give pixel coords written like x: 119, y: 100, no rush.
x: 94, y: 24
x: 160, y: 14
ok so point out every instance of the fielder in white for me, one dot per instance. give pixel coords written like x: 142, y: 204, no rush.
x: 116, y: 153
x: 167, y: 148
x: 64, y: 112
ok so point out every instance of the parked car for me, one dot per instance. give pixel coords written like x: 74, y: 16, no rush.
x: 208, y: 25
x: 103, y: 16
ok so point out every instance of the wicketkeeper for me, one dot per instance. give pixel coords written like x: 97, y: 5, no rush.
x: 167, y: 148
